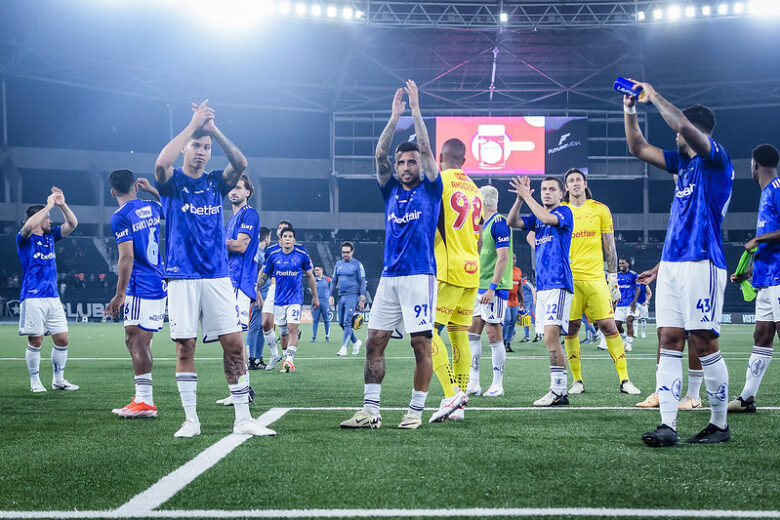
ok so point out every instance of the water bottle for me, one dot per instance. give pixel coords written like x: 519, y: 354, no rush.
x: 625, y: 86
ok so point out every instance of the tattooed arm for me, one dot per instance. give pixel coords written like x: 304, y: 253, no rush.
x: 427, y: 158
x: 238, y: 162
x: 384, y: 170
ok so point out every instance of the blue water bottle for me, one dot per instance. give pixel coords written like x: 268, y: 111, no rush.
x: 625, y: 86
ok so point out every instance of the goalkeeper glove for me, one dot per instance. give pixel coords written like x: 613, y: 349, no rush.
x: 614, y: 289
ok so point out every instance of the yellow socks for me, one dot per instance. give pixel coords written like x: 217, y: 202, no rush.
x: 572, y: 344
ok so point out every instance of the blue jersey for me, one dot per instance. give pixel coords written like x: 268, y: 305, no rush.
x: 288, y: 269
x: 260, y: 261
x: 410, y: 227
x: 139, y: 221
x: 627, y: 284
x: 766, y: 264
x: 323, y: 290
x: 699, y: 206
x: 194, y: 230
x: 350, y: 277
x: 552, y: 250
x: 39, y: 264
x: 642, y: 298
x: 243, y: 266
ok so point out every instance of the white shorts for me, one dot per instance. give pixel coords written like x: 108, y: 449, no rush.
x: 244, y: 302
x: 622, y: 313
x: 268, y: 303
x: 768, y: 304
x: 407, y: 302
x: 689, y: 295
x: 208, y: 302
x: 41, y: 316
x: 144, y: 314
x: 552, y: 308
x: 284, y: 314
x: 641, y: 311
x: 492, y: 312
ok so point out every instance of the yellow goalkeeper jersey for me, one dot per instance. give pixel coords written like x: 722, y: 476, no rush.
x: 586, y: 254
x: 457, y: 233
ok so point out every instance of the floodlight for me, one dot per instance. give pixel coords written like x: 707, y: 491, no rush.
x: 331, y: 11
x: 690, y: 11
x: 706, y: 10
x: 504, y: 17
x: 739, y: 8
x: 723, y: 9
x: 359, y: 14
x: 674, y: 12
x: 347, y: 13
x: 640, y: 15
x: 316, y: 10
x: 284, y: 7
x: 300, y: 9
x: 658, y: 14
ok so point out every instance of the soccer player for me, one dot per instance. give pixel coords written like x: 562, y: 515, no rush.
x: 515, y: 305
x: 268, y: 306
x: 642, y: 305
x: 529, y: 297
x: 322, y: 312
x: 592, y: 234
x: 407, y: 289
x: 457, y: 273
x: 242, y: 243
x: 692, y: 272
x: 495, y: 280
x: 288, y: 265
x: 254, y: 338
x: 350, y: 276
x: 626, y: 306
x: 199, y: 288
x: 141, y: 290
x: 41, y: 310
x: 765, y: 274
x: 552, y: 224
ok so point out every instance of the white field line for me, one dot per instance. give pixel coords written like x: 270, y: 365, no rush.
x: 400, y: 513
x: 507, y: 408
x: 594, y: 357
x: 169, y: 485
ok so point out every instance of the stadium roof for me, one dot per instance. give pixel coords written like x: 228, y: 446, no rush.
x: 548, y: 57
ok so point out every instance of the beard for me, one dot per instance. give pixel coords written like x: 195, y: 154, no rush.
x: 682, y: 149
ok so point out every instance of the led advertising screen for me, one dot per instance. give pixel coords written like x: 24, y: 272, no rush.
x: 533, y: 145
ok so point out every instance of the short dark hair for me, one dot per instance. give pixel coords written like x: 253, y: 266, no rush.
x: 407, y: 146
x: 348, y: 244
x: 263, y: 233
x: 121, y: 180
x: 454, y: 148
x: 555, y: 179
x: 197, y: 134
x: 32, y: 210
x: 628, y: 261
x: 247, y: 183
x: 285, y: 230
x: 702, y: 117
x: 286, y: 223
x: 766, y: 155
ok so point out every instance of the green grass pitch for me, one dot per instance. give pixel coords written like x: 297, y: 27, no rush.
x: 65, y: 450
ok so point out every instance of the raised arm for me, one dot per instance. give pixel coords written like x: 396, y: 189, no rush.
x: 124, y: 270
x: 384, y: 170
x: 637, y: 145
x: 144, y: 185
x: 696, y: 139
x: 427, y: 158
x: 238, y: 162
x: 36, y: 220
x: 521, y: 186
x: 163, y: 167
x: 70, y: 219
x: 513, y: 219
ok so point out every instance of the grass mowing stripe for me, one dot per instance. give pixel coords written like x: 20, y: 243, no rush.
x: 506, y: 408
x: 641, y: 357
x: 177, y: 480
x: 400, y: 513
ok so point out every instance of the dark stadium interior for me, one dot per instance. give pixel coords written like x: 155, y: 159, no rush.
x: 87, y: 90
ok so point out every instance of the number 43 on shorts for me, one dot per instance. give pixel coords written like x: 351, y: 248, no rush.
x: 704, y: 305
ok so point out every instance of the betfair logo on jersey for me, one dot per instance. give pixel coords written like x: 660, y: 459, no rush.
x: 48, y: 256
x: 408, y: 217
x: 145, y: 212
x: 471, y: 267
x: 686, y: 192
x: 201, y: 210
x: 583, y: 234
x: 289, y: 272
